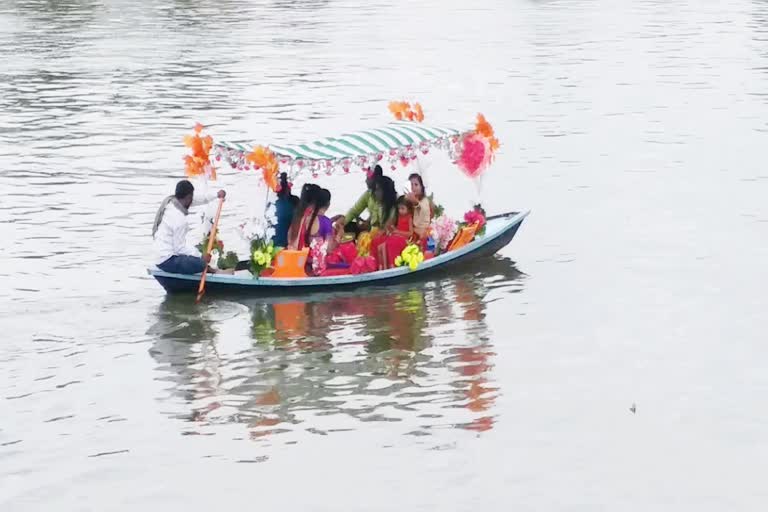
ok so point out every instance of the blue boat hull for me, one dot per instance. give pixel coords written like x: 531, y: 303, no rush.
x: 500, y: 231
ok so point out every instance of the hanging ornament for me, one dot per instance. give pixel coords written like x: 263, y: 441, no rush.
x: 453, y: 152
x: 293, y: 171
x: 393, y: 157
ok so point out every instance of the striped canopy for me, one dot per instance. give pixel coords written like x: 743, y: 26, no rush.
x: 394, y: 136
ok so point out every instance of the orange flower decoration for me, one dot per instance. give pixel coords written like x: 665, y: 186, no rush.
x: 484, y: 129
x: 266, y: 160
x: 198, y: 162
x: 399, y: 109
x: 418, y: 113
x: 402, y: 110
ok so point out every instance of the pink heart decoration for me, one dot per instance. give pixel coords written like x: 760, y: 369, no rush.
x: 472, y: 156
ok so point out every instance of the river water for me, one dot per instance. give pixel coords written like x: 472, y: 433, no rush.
x: 634, y: 131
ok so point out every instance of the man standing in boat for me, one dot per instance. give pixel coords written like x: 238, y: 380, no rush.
x: 172, y: 252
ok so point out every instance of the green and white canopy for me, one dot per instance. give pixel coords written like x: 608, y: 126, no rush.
x: 392, y: 139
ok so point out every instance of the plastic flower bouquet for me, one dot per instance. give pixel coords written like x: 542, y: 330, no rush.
x: 218, y: 245
x: 410, y: 257
x: 364, y: 242
x: 476, y: 216
x: 262, y: 254
x: 227, y: 261
x: 443, y: 230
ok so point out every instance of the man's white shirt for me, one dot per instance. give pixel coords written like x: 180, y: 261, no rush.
x: 171, y: 237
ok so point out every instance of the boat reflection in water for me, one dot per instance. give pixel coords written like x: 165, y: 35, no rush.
x: 419, y: 354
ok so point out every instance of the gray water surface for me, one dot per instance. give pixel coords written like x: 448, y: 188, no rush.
x: 635, y: 131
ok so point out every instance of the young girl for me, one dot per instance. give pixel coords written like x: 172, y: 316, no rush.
x: 422, y: 209
x: 398, y: 235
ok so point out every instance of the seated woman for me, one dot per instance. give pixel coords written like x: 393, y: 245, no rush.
x: 315, y: 231
x: 398, y: 235
x: 422, y: 209
x: 385, y: 193
x: 368, y: 202
x: 285, y: 207
x: 307, y: 201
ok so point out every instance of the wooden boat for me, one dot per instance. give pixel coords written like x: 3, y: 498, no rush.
x: 397, y: 143
x: 500, y: 230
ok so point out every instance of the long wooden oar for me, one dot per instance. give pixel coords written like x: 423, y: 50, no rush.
x: 211, y: 240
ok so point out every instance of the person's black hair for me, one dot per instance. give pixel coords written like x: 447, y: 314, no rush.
x: 378, y: 172
x: 323, y: 201
x: 183, y: 189
x: 421, y: 182
x: 402, y: 200
x: 285, y: 189
x: 309, y: 193
x: 309, y: 197
x: 388, y: 196
x: 324, y: 198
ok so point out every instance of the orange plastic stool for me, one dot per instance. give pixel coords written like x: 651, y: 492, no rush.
x: 464, y: 236
x: 290, y: 263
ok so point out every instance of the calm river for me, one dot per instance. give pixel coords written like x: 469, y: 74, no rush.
x: 635, y: 131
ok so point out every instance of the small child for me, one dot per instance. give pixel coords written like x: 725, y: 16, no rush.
x: 398, y: 235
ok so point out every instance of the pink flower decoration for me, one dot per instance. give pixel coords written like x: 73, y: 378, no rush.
x: 474, y: 217
x: 443, y: 230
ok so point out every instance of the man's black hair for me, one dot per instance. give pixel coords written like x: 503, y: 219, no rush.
x: 183, y: 189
